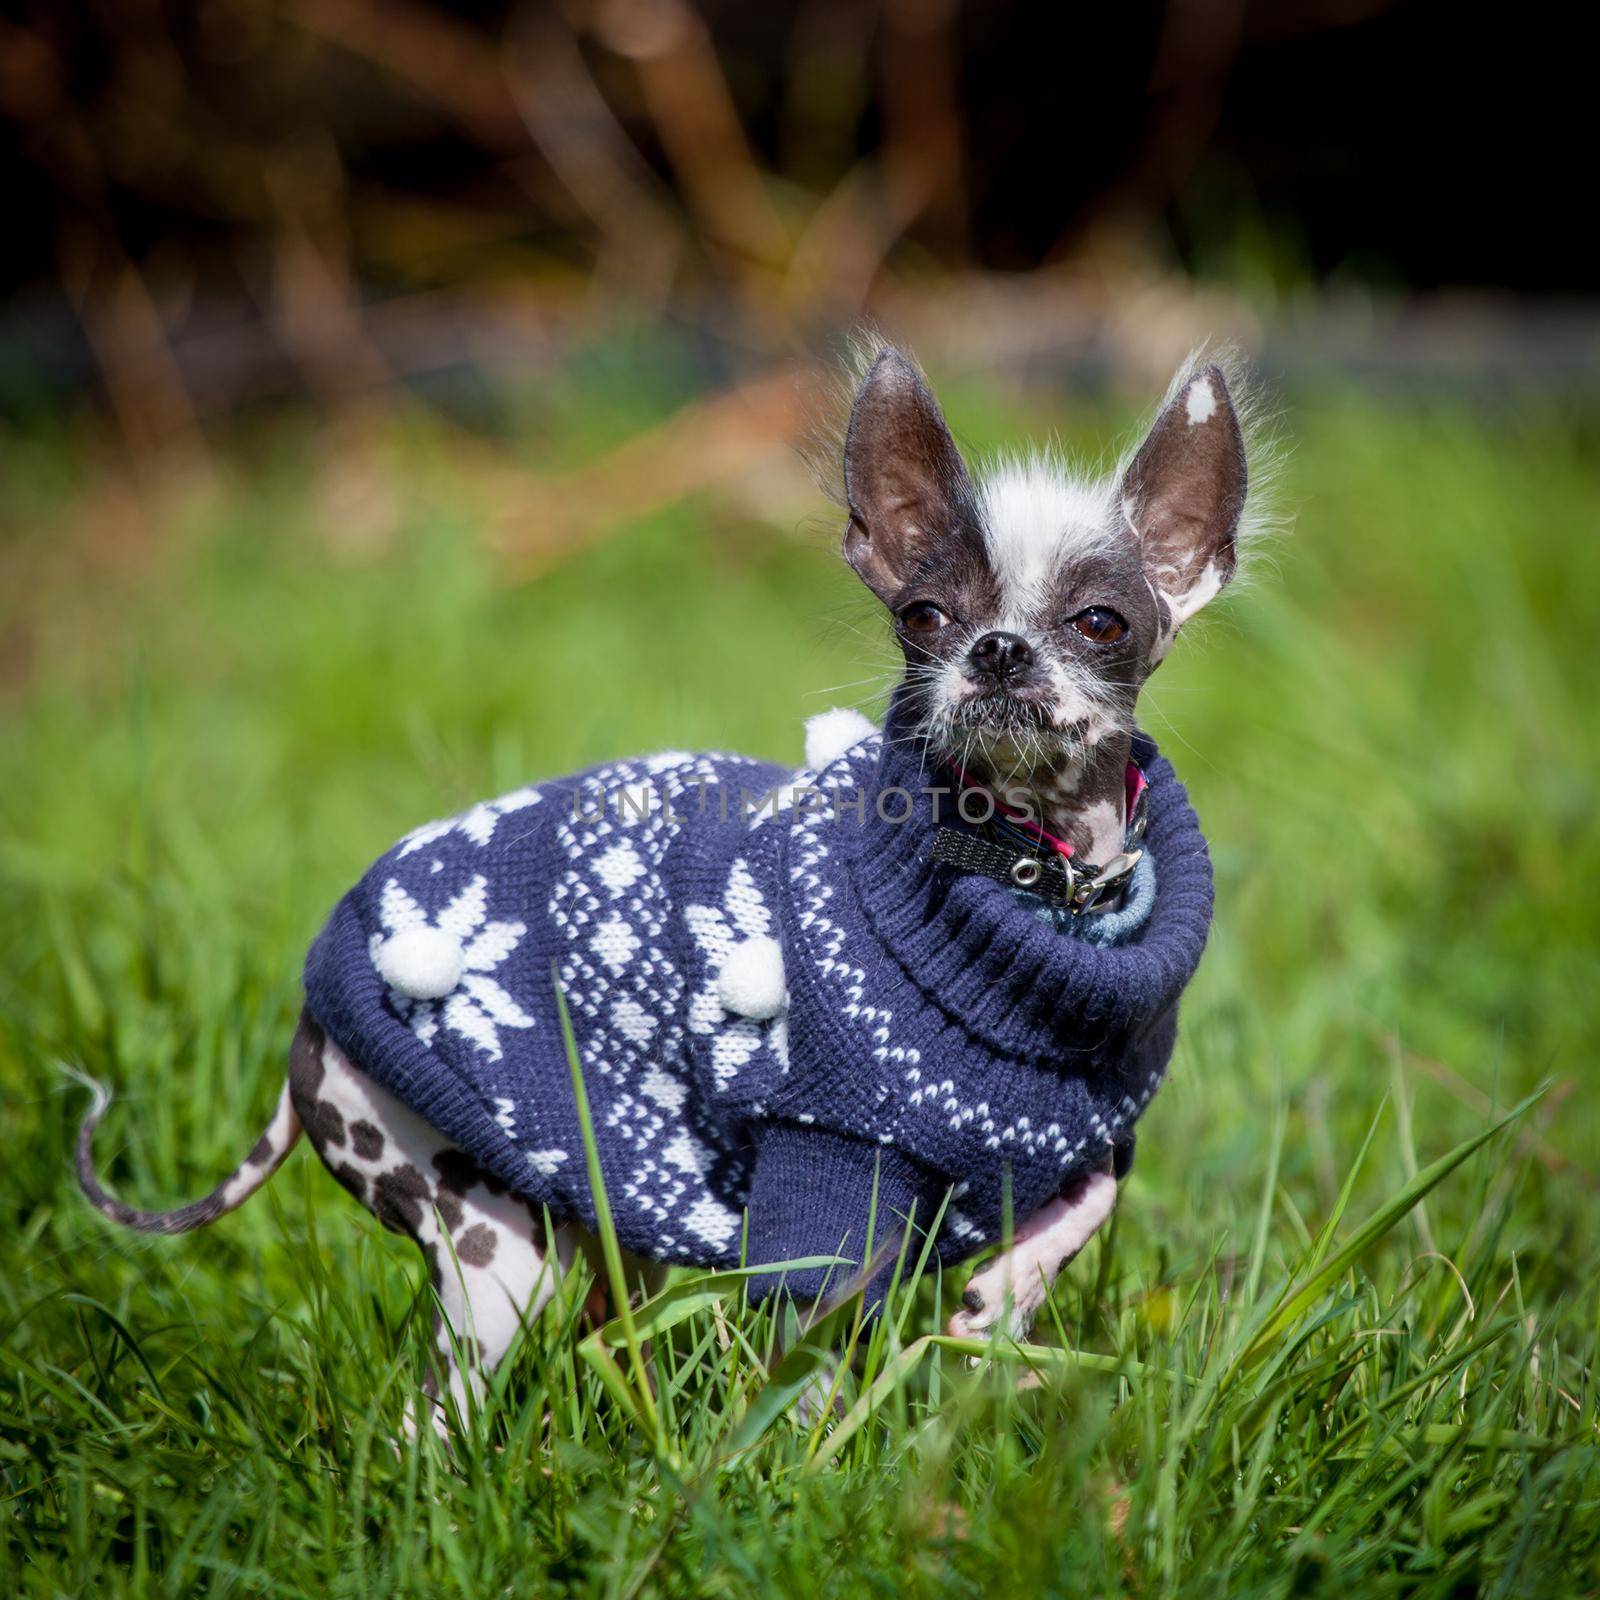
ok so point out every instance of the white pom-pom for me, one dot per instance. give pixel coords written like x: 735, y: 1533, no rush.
x: 830, y: 733
x: 424, y: 963
x: 751, y: 983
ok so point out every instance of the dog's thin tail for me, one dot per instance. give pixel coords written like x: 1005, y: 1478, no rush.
x: 264, y: 1159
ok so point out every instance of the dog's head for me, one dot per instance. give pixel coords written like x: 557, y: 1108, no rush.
x: 1032, y: 605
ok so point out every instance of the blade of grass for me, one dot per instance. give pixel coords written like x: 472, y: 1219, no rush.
x: 1324, y: 1238
x: 898, y: 1370
x: 1047, y: 1357
x: 895, y: 1373
x: 644, y: 1403
x: 1296, y: 1301
x: 1408, y: 1143
x: 799, y: 1369
x: 1258, y: 1246
x: 688, y: 1297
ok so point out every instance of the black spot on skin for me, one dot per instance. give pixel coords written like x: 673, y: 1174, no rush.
x: 449, y: 1209
x: 324, y: 1125
x: 260, y: 1151
x: 366, y: 1141
x: 352, y: 1180
x: 972, y: 1300
x: 398, y: 1199
x: 475, y: 1248
x: 458, y: 1172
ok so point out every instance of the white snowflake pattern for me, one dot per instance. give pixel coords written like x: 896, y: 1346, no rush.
x: 716, y: 930
x: 478, y: 1007
x: 477, y: 824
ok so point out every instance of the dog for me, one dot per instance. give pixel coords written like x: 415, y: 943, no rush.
x: 1030, y: 604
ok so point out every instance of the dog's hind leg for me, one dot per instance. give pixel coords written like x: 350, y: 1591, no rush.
x: 485, y: 1249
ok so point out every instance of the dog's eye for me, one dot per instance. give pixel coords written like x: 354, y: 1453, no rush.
x: 1101, y: 624
x: 923, y: 617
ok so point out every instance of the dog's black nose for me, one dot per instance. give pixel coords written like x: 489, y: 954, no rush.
x: 1001, y: 655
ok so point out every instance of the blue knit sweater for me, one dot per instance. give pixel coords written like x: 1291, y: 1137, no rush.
x: 935, y: 1032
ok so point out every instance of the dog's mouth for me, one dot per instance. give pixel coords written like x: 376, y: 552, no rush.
x: 1004, y: 714
x: 1015, y: 733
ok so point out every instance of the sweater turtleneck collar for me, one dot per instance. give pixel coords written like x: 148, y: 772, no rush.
x: 980, y: 954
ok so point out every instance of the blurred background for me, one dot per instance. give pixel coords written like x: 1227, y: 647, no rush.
x: 223, y: 206
x: 401, y: 400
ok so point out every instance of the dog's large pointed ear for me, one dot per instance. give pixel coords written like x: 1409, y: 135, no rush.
x: 1183, y: 495
x: 904, y: 480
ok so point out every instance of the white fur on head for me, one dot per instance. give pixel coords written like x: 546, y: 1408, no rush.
x: 1036, y: 514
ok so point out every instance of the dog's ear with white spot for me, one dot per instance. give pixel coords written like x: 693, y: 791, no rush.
x: 1183, y: 494
x: 904, y: 480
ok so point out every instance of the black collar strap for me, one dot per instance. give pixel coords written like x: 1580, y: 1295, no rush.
x: 1055, y: 879
x: 1000, y: 849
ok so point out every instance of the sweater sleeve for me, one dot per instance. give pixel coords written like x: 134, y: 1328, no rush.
x: 811, y: 1195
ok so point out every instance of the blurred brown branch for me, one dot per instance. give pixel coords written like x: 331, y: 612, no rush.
x: 923, y: 159
x: 689, y: 99
x: 570, y: 121
x: 124, y: 328
x: 748, y: 433
x: 439, y: 57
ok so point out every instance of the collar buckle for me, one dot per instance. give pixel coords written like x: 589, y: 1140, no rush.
x: 1089, y: 890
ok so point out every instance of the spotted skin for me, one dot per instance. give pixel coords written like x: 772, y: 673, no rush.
x: 485, y: 1248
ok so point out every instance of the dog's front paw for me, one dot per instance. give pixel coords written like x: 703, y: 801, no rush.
x: 976, y: 1318
x: 990, y: 1306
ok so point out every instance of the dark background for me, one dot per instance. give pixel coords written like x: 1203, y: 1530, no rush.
x: 248, y: 183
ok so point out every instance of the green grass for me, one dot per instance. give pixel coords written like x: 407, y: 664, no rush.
x: 1298, y: 1374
